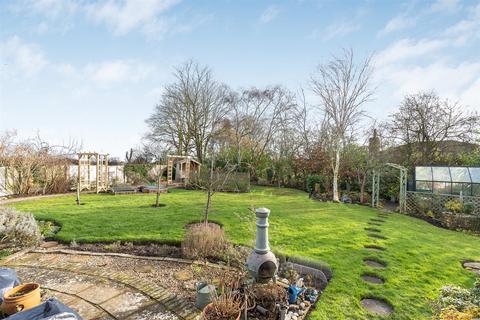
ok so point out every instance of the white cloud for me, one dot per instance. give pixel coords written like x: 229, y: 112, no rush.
x: 269, y: 14
x: 20, y: 58
x: 406, y: 49
x: 117, y: 71
x: 124, y: 16
x: 398, y: 23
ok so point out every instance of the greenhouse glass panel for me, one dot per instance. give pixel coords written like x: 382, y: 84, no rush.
x: 460, y: 174
x: 423, y: 173
x: 475, y: 173
x: 423, y: 186
x: 461, y: 187
x: 442, y: 187
x: 476, y: 190
x: 441, y: 174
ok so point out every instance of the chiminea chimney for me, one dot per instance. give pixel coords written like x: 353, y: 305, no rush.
x: 262, y: 263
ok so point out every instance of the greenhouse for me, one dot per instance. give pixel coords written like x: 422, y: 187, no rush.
x: 463, y: 181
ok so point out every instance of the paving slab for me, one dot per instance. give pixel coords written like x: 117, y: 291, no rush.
x: 86, y: 310
x: 57, y: 280
x: 154, y: 312
x: 100, y: 293
x: 126, y: 303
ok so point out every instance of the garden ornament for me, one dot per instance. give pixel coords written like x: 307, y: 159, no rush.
x: 293, y: 293
x: 262, y: 263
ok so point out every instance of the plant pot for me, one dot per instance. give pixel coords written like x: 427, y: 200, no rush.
x: 13, y: 303
x: 208, y: 307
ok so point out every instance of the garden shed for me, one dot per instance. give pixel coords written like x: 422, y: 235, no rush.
x: 464, y: 181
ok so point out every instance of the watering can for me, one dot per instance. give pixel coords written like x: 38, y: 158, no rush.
x: 293, y: 293
x: 204, y: 294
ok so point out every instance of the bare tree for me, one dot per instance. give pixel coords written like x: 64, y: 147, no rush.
x: 424, y: 123
x: 256, y: 116
x: 212, y: 179
x: 343, y: 88
x: 189, y: 111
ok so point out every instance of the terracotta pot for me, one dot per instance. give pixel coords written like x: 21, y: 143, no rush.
x: 25, y: 301
x: 208, y: 306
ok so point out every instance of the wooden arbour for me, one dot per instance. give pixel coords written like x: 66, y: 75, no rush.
x: 85, y: 182
x: 184, y: 166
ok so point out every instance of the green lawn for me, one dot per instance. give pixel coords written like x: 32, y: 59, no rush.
x: 421, y: 258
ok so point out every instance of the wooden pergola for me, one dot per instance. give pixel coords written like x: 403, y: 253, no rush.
x: 101, y: 171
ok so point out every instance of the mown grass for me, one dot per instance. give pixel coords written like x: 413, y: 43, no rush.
x: 420, y: 257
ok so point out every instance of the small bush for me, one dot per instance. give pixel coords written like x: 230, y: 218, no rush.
x: 18, y: 229
x: 47, y: 228
x: 204, y: 241
x: 314, y: 179
x: 454, y: 206
x: 455, y: 303
x: 468, y: 208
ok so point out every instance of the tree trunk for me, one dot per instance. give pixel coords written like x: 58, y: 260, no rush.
x: 210, y: 187
x: 336, y: 168
x: 207, y: 207
x: 362, y: 188
x: 157, y: 201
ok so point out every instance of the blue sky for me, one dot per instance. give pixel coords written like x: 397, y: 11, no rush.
x: 93, y: 70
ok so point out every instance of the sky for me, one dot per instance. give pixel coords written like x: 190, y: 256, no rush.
x: 92, y: 71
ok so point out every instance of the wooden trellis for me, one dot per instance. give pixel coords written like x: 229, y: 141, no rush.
x: 418, y: 203
x: 85, y: 182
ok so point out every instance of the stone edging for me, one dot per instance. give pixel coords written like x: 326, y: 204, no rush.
x: 126, y: 255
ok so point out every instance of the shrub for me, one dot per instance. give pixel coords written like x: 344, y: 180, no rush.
x: 455, y: 303
x: 312, y: 180
x: 468, y: 208
x: 204, y: 241
x: 47, y: 228
x: 18, y: 229
x: 454, y: 206
x: 450, y: 313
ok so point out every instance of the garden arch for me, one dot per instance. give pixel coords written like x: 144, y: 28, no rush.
x: 402, y: 199
x: 101, y: 171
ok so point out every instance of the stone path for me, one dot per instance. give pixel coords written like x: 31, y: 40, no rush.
x: 100, y: 294
x: 373, y: 305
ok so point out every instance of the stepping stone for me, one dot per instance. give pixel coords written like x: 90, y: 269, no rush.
x: 372, y: 279
x: 374, y: 224
x: 377, y: 306
x: 472, y: 266
x: 372, y: 229
x: 377, y: 236
x: 377, y: 220
x: 374, y: 247
x: 374, y: 264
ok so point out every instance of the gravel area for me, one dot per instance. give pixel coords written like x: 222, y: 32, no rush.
x: 178, y: 278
